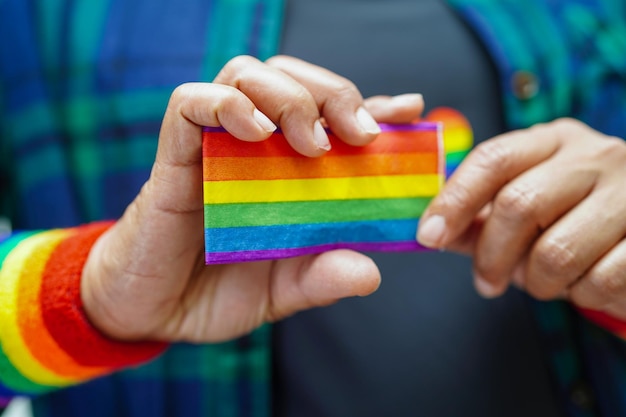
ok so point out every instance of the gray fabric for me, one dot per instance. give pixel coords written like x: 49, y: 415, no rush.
x: 425, y: 344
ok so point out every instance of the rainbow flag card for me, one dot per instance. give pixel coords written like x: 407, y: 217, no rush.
x: 263, y: 200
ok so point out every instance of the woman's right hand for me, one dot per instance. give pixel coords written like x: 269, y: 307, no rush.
x: 146, y: 278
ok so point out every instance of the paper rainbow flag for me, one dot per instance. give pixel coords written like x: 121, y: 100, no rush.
x: 263, y: 200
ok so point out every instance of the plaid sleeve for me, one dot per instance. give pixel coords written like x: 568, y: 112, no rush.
x: 46, y: 341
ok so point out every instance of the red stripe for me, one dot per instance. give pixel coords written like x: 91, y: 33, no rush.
x: 63, y: 314
x: 222, y: 144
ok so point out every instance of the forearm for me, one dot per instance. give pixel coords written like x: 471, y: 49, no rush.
x: 45, y: 339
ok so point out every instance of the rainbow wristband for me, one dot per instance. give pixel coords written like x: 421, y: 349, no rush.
x: 46, y: 340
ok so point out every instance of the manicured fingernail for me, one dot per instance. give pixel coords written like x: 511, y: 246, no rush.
x: 431, y: 231
x: 263, y: 121
x: 367, y: 122
x: 485, y: 288
x: 407, y: 100
x: 320, y: 136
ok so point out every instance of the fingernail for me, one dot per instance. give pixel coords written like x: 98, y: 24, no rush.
x: 320, y: 136
x: 367, y: 122
x: 485, y: 288
x: 407, y: 100
x: 431, y: 231
x: 263, y: 121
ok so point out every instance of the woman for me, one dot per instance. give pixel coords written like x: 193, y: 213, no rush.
x: 70, y: 97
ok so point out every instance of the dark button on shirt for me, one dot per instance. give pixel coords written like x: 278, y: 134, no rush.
x: 525, y: 84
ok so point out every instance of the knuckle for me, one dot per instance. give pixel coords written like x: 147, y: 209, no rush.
x: 555, y: 258
x: 565, y: 124
x: 565, y: 128
x: 492, y: 155
x: 611, y: 149
x: 241, y: 61
x: 299, y: 99
x: 181, y: 93
x: 608, y: 286
x: 345, y: 88
x: 341, y: 94
x: 458, y: 197
x: 234, y: 68
x: 278, y: 60
x: 517, y: 202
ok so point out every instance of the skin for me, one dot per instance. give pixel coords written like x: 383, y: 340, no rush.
x: 145, y: 278
x: 542, y: 208
x: 551, y: 221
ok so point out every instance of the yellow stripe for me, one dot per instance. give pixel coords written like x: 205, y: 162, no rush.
x: 457, y: 139
x: 258, y: 191
x: 40, y: 245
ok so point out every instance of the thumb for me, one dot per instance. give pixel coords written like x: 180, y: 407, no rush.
x: 320, y: 280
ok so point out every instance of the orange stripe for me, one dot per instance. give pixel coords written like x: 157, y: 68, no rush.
x: 221, y: 144
x: 246, y: 168
x: 30, y: 320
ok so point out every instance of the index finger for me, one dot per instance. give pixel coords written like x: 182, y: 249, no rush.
x: 339, y: 100
x: 479, y: 179
x: 281, y: 98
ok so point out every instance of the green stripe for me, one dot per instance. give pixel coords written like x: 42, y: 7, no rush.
x: 8, y: 245
x: 120, y: 156
x: 87, y: 22
x: 268, y: 214
x: 116, y: 109
x: 50, y: 21
x: 15, y: 381
x: 455, y: 158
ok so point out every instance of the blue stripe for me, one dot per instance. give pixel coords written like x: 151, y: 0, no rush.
x: 3, y: 238
x: 231, y: 239
x: 7, y: 393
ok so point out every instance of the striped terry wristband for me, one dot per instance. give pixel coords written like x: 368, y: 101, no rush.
x: 46, y: 341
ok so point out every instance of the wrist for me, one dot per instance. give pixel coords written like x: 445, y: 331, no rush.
x: 104, y: 293
x: 64, y: 310
x: 94, y: 294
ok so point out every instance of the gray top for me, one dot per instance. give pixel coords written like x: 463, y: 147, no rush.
x: 425, y: 344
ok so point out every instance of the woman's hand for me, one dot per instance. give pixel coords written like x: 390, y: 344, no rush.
x: 544, y: 208
x: 146, y: 279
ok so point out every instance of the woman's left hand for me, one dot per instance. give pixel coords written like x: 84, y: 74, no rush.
x: 543, y: 208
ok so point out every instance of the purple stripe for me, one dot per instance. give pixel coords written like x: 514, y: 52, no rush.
x: 414, y: 127
x: 385, y: 127
x: 4, y: 402
x: 264, y: 255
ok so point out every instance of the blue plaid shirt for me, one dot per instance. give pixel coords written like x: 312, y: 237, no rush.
x: 83, y: 87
